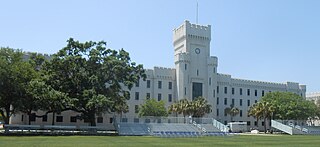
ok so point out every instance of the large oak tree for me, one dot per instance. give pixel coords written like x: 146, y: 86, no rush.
x: 96, y: 77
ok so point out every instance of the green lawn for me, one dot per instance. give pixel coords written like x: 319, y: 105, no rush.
x: 137, y: 141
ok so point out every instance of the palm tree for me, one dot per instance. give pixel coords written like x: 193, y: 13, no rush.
x: 255, y: 111
x: 200, y: 107
x: 267, y: 110
x: 183, y: 107
x: 232, y: 111
x: 263, y: 110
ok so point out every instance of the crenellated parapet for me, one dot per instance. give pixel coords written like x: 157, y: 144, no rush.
x: 164, y: 73
x: 224, y: 79
x: 182, y: 57
x: 194, y: 31
x: 213, y: 61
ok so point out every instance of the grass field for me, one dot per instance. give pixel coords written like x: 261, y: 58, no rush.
x: 138, y: 141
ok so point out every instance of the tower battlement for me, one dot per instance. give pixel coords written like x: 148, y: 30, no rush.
x: 190, y: 29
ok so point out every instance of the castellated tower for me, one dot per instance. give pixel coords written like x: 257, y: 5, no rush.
x: 195, y: 69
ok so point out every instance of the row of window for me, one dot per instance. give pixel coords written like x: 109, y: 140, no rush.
x: 233, y: 102
x: 137, y: 96
x: 73, y: 119
x: 241, y: 91
x: 159, y: 84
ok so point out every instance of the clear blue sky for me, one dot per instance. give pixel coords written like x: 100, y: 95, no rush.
x: 267, y: 40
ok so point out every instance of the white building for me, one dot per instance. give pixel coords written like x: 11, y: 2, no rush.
x: 195, y: 74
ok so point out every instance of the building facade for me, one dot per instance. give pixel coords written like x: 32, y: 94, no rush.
x: 195, y: 74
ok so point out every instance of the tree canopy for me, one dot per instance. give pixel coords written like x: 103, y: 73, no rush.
x: 96, y: 77
x: 15, y: 74
x: 288, y: 106
x: 196, y: 108
x: 151, y: 107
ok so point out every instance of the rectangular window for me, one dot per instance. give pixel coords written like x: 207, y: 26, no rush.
x: 225, y: 101
x: 232, y: 90
x: 262, y: 123
x: 255, y: 123
x: 225, y: 122
x: 73, y: 119
x: 169, y: 97
x: 136, y: 96
x: 170, y: 85
x: 232, y: 102
x: 240, y: 113
x: 136, y: 108
x: 225, y: 90
x: 214, y: 93
x: 185, y: 91
x: 22, y: 117
x: 240, y: 91
x: 100, y: 119
x: 110, y: 120
x: 45, y: 118
x: 196, y: 90
x: 217, y: 112
x: 262, y: 93
x: 240, y: 102
x: 159, y: 84
x: 217, y: 100
x: 185, y: 66
x: 136, y: 120
x: 148, y: 83
x: 255, y: 92
x: 159, y: 96
x: 255, y: 101
x: 210, y: 81
x: 225, y: 112
x: 217, y: 89
x: 124, y: 120
x: 148, y: 96
x: 137, y: 83
x: 248, y: 92
x: 248, y: 123
x: 248, y: 102
x: 59, y: 119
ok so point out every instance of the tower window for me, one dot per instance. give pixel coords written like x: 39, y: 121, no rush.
x: 137, y: 96
x: 232, y: 90
x: 159, y: 84
x: 248, y: 92
x: 240, y: 91
x: 225, y: 90
x: 185, y: 66
x: 170, y: 85
x: 197, y: 72
x: 159, y: 96
x: 170, y: 98
x: 148, y: 84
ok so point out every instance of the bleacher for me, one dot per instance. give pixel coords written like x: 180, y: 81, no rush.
x: 312, y: 130
x: 52, y: 129
x: 174, y: 130
x: 212, y: 130
x: 133, y: 129
x: 170, y: 127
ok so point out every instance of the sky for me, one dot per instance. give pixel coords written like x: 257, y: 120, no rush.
x: 265, y: 40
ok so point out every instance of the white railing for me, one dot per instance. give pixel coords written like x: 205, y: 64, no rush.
x: 220, y: 126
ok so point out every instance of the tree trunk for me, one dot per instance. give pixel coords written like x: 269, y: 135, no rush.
x: 53, y: 116
x: 7, y: 117
x: 265, y: 125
